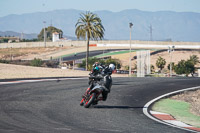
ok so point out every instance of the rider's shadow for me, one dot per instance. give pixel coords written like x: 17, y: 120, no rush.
x: 115, y: 107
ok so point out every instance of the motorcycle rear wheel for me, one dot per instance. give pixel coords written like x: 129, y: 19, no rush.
x: 90, y: 101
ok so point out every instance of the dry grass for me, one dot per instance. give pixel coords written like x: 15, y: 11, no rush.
x: 28, y: 53
x: 9, y: 71
x: 47, y: 53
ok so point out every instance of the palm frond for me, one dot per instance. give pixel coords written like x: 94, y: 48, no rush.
x: 89, y: 25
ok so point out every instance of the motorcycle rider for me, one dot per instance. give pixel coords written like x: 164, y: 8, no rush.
x: 104, y: 73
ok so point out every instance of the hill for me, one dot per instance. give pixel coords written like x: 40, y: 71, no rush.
x: 16, y: 34
x: 166, y: 25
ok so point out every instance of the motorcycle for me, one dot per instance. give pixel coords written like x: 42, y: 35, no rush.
x: 100, y: 82
x: 91, y: 96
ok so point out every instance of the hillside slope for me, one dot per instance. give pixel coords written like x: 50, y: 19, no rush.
x: 166, y: 25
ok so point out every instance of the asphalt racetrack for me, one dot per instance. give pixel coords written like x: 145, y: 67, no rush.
x: 53, y: 106
x: 82, y: 55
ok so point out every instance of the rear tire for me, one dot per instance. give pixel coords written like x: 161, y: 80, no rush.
x: 90, y: 101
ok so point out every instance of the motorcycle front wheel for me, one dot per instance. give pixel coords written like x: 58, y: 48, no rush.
x: 90, y: 100
x: 82, y: 102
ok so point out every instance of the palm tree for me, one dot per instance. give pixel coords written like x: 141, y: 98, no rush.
x: 88, y: 27
x: 194, y: 59
x: 160, y: 63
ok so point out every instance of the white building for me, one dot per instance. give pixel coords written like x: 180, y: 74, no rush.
x: 55, y: 37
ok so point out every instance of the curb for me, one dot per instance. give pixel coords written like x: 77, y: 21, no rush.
x: 167, y: 119
x: 37, y: 80
x: 170, y: 119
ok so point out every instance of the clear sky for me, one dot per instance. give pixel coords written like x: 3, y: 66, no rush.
x: 28, y: 6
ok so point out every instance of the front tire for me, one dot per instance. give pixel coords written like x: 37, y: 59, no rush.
x: 90, y: 101
x: 82, y: 102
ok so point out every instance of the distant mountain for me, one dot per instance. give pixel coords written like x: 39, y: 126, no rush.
x: 16, y: 34
x: 166, y: 25
x: 26, y: 36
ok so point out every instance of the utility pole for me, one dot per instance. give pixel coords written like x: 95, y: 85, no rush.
x: 44, y: 34
x: 130, y: 26
x: 170, y: 50
x: 60, y: 59
x: 51, y: 23
x: 151, y: 32
x: 22, y: 35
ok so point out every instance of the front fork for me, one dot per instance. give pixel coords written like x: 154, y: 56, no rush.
x: 85, y: 95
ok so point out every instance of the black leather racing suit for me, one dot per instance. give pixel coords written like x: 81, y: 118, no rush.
x: 104, y: 74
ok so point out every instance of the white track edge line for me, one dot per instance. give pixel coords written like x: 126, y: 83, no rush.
x: 145, y: 108
x: 35, y: 80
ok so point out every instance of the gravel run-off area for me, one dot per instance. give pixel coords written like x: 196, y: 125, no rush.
x: 8, y: 71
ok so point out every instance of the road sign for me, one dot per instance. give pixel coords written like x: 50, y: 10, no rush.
x: 78, y: 61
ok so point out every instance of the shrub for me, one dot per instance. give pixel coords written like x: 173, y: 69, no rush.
x: 91, y: 61
x: 184, y: 67
x: 152, y: 68
x: 116, y: 62
x: 194, y: 59
x: 52, y: 64
x: 36, y: 62
x: 4, y: 61
x: 160, y: 63
x: 173, y: 65
x: 126, y: 67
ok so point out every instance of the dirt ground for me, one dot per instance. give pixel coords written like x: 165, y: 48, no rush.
x: 10, y: 71
x: 53, y: 52
x: 30, y: 53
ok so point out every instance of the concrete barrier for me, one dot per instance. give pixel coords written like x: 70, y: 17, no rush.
x: 105, y: 43
x: 150, y: 46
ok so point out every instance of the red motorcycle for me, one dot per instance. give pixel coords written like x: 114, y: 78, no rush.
x: 91, y: 96
x: 100, y: 82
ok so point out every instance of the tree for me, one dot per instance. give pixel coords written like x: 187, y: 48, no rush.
x: 160, y: 63
x: 194, y: 59
x: 189, y: 67
x: 184, y: 67
x: 5, y: 40
x: 88, y: 27
x: 179, y: 68
x: 152, y: 68
x: 91, y: 61
x: 172, y: 66
x: 49, y: 31
x: 116, y: 62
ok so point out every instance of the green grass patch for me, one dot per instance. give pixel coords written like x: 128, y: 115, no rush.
x: 102, y: 55
x: 114, y: 53
x: 180, y: 110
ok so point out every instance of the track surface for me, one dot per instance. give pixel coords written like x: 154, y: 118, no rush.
x: 49, y: 107
x: 91, y: 54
